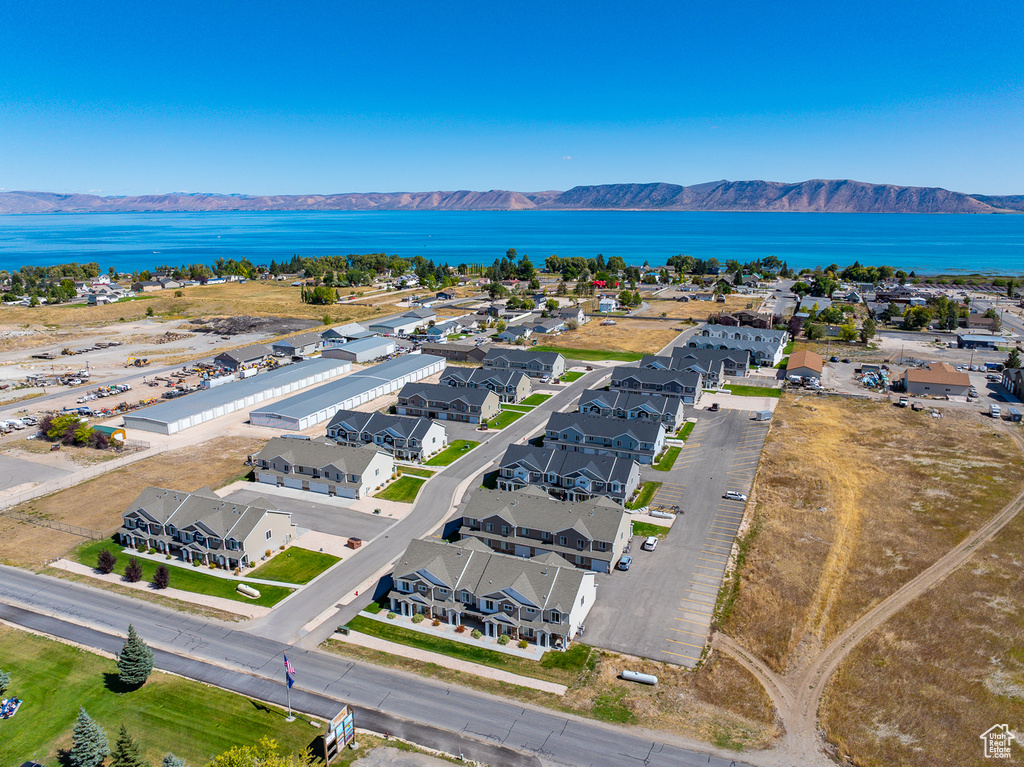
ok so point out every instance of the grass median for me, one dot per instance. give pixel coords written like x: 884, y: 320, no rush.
x: 646, y: 529
x: 645, y: 496
x: 504, y: 418
x: 403, y: 490
x: 185, y: 578
x: 416, y: 471
x: 684, y: 432
x: 54, y: 680
x: 753, y: 391
x: 554, y: 666
x: 667, y: 459
x: 294, y: 565
x: 452, y: 453
x: 535, y: 399
x: 572, y: 376
x: 591, y: 355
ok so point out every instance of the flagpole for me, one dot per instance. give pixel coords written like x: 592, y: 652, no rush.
x: 288, y: 687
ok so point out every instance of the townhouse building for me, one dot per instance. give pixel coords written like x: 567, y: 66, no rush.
x: 510, y: 385
x: 567, y: 474
x: 322, y: 466
x: 407, y: 439
x: 447, y: 403
x: 534, y: 364
x: 687, y: 385
x: 635, y: 406
x: 635, y: 440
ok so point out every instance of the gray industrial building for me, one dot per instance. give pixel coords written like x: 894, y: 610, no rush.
x: 298, y: 413
x: 202, y: 406
x: 362, y: 350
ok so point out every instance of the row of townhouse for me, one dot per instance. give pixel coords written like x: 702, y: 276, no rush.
x: 713, y: 364
x: 203, y: 528
x: 321, y: 465
x: 633, y: 406
x: 510, y: 385
x: 568, y: 475
x: 447, y: 403
x: 687, y: 385
x: 534, y: 364
x: 404, y: 324
x: 766, y: 346
x: 542, y: 600
x: 636, y: 440
x: 407, y: 439
x: 590, y: 535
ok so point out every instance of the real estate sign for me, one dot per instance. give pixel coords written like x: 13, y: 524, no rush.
x: 340, y: 732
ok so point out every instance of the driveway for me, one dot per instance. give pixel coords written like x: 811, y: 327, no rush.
x: 17, y: 471
x: 661, y: 608
x: 322, y: 516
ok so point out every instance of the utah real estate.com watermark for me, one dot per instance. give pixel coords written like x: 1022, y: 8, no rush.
x: 997, y: 740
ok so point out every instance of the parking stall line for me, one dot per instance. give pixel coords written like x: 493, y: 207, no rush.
x: 687, y: 620
x: 686, y: 644
x: 722, y: 538
x: 722, y: 528
x: 715, y: 569
x: 689, y: 633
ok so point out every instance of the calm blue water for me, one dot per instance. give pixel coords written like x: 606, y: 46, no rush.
x: 136, y: 241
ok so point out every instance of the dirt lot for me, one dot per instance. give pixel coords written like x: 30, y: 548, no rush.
x: 928, y: 682
x: 720, y: 704
x: 97, y: 504
x: 626, y: 335
x: 698, y: 310
x: 861, y: 497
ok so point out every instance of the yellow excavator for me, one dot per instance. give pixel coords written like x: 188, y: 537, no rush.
x: 139, y: 362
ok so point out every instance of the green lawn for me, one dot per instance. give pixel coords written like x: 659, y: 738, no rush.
x: 591, y: 355
x: 753, y: 391
x: 783, y: 364
x: 168, y: 713
x: 403, y: 490
x: 788, y: 349
x: 554, y: 666
x: 416, y: 471
x: 535, y: 399
x: 294, y: 565
x: 647, y: 491
x: 504, y: 418
x: 645, y: 529
x: 517, y: 408
x: 667, y: 459
x: 684, y: 430
x: 453, y: 452
x: 572, y: 376
x: 186, y: 578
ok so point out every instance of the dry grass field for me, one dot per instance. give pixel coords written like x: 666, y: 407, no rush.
x: 626, y: 335
x: 929, y: 681
x: 720, y: 704
x: 698, y: 311
x: 98, y: 503
x: 853, y: 499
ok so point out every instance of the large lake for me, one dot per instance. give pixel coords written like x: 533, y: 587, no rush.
x: 136, y: 241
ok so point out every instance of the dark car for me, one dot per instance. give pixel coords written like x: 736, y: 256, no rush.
x: 833, y: 358
x: 846, y: 360
x: 624, y: 563
x: 714, y: 407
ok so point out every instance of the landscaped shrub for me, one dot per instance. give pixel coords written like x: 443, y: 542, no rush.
x: 417, y: 618
x: 151, y: 550
x: 162, y: 577
x: 523, y: 644
x: 391, y: 616
x: 282, y: 547
x: 167, y: 556
x: 268, y: 553
x: 133, y: 572
x: 476, y: 634
x: 437, y: 622
x: 503, y: 639
x: 460, y: 629
x: 195, y: 563
x: 106, y: 561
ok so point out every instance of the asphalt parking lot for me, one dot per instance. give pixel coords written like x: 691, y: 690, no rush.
x: 661, y: 608
x: 324, y: 517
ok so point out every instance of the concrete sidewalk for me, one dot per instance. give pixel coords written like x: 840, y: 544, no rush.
x: 364, y: 640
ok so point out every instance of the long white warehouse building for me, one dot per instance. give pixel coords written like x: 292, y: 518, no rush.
x: 305, y: 410
x: 202, y: 406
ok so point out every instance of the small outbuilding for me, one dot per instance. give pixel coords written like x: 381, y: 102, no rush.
x: 362, y: 350
x: 938, y: 378
x: 806, y: 364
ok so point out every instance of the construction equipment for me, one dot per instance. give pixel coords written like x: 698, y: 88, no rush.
x: 139, y: 362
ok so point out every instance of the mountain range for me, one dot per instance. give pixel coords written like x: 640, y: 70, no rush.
x: 815, y: 196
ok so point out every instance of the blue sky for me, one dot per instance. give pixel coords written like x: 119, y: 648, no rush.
x: 262, y: 98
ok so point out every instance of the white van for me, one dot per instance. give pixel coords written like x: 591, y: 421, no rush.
x: 995, y: 411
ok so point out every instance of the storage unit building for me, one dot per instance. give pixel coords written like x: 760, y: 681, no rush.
x: 362, y: 350
x: 202, y: 406
x: 298, y: 413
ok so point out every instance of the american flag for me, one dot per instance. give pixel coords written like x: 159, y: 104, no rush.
x: 288, y: 667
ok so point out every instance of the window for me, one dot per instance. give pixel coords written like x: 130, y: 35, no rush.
x: 504, y: 529
x: 488, y: 604
x: 563, y: 540
x: 523, y: 531
x: 466, y: 597
x: 556, y: 617
x: 422, y: 588
x: 581, y: 544
x: 489, y: 527
x: 269, y: 534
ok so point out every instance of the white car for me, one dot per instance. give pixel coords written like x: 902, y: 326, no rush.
x: 650, y: 543
x: 732, y: 495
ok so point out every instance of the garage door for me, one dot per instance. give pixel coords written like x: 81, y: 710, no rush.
x: 346, y: 492
x: 293, y: 482
x: 318, y: 487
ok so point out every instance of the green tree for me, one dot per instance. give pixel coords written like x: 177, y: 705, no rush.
x: 133, y: 572
x: 868, y: 329
x: 135, y: 663
x: 814, y: 331
x: 5, y: 681
x: 89, y: 744
x: 848, y: 332
x: 551, y: 305
x: 127, y: 752
x: 1010, y: 284
x: 149, y: 311
x: 500, y: 326
x: 105, y: 561
x: 161, y: 577
x: 170, y: 760
x: 1013, y: 359
x: 263, y: 754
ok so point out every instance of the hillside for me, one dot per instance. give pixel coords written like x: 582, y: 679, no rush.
x: 835, y: 196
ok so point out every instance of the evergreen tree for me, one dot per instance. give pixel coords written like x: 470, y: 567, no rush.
x: 135, y: 663
x: 89, y: 745
x: 127, y: 752
x: 5, y: 681
x: 106, y: 561
x: 133, y: 572
x: 170, y: 760
x: 1013, y: 359
x: 162, y: 577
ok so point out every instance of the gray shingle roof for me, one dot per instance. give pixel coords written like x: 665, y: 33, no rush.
x: 318, y: 453
x: 598, y: 519
x: 480, y: 376
x: 442, y: 393
x: 405, y: 427
x: 654, y: 376
x: 603, y: 426
x: 221, y: 518
x: 604, y: 468
x: 522, y: 356
x: 247, y: 353
x: 630, y: 400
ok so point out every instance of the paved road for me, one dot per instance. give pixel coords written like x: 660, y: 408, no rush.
x: 227, y: 657
x: 323, y: 517
x: 661, y: 608
x: 286, y: 622
x: 17, y: 471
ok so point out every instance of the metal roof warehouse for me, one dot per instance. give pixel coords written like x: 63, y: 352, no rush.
x: 171, y: 417
x: 301, y: 412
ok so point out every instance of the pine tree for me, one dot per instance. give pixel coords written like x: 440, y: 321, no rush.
x: 127, y: 752
x: 161, y: 577
x: 135, y: 663
x: 133, y: 572
x: 5, y: 681
x: 106, y: 561
x: 170, y: 760
x: 89, y: 745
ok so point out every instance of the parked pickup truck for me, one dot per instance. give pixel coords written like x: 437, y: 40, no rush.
x: 903, y: 402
